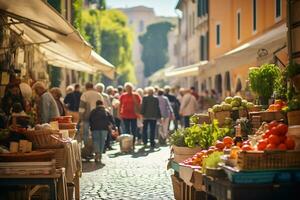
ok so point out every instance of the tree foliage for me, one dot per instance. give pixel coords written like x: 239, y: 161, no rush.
x: 155, y: 47
x: 108, y: 33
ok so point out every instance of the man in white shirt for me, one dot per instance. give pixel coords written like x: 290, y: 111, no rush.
x: 87, y: 103
x: 188, y: 107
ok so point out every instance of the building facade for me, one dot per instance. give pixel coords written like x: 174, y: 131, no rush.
x: 232, y: 35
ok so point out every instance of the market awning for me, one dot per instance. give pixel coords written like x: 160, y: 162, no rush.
x: 41, y: 24
x: 269, y: 42
x: 190, y: 70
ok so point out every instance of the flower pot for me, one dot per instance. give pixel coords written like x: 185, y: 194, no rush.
x: 182, y: 153
x: 294, y: 117
x: 296, y: 82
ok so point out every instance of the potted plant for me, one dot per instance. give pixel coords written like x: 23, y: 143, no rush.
x: 262, y: 81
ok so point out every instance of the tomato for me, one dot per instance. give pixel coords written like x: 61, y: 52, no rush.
x: 290, y: 143
x: 267, y: 133
x: 277, y: 107
x: 279, y: 102
x: 282, y: 146
x: 271, y: 147
x: 272, y: 124
x: 274, y: 131
x: 262, y: 144
x: 227, y: 140
x: 282, y: 129
x: 274, y: 139
x: 220, y: 145
x: 282, y: 139
x: 246, y: 147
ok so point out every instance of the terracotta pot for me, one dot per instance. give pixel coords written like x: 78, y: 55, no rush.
x: 182, y: 153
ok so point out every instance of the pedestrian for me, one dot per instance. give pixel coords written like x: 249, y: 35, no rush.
x: 72, y: 101
x: 101, y: 122
x: 194, y: 93
x: 151, y: 113
x: 167, y: 114
x: 57, y: 94
x: 188, y: 106
x: 87, y: 103
x: 100, y: 87
x: 175, y: 105
x: 130, y: 105
x: 47, y: 107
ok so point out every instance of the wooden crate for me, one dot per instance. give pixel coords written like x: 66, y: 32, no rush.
x: 182, y: 153
x: 178, y: 187
x: 220, y: 116
x: 251, y: 160
x: 268, y: 116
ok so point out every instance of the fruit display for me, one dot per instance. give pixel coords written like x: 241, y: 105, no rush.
x: 277, y: 106
x: 231, y: 104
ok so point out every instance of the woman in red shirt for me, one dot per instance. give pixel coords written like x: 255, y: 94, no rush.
x: 130, y: 104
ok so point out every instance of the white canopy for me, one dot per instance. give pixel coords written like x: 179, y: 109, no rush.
x: 190, y: 70
x: 40, y: 24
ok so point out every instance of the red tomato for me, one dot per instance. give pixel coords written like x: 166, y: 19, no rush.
x: 274, y: 131
x: 290, y: 143
x: 274, y: 139
x: 267, y: 133
x: 282, y: 147
x: 246, y: 147
x: 282, y: 139
x: 262, y: 144
x: 271, y: 147
x: 282, y: 129
x: 272, y: 124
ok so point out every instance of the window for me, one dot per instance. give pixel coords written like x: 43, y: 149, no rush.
x: 278, y: 8
x: 202, y: 48
x: 193, y: 23
x: 206, y: 45
x: 218, y: 34
x: 239, y: 25
x: 202, y: 7
x: 141, y: 26
x: 254, y: 15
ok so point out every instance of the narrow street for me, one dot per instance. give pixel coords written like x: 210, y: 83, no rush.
x: 142, y: 175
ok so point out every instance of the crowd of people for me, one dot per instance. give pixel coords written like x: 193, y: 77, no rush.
x: 147, y: 114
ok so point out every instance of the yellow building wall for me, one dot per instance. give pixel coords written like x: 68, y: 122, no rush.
x: 224, y: 12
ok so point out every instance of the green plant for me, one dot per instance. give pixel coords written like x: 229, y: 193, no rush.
x: 177, y: 138
x: 293, y: 69
x: 262, y: 80
x: 281, y: 85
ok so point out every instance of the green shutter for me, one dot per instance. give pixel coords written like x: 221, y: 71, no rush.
x: 55, y: 4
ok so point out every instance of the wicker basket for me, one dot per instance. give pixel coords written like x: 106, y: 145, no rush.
x: 43, y: 138
x: 182, y: 153
x: 294, y: 117
x: 268, y: 160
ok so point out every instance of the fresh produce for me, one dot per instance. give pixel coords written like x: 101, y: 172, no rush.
x: 262, y: 81
x: 211, y: 161
x: 231, y: 104
x: 197, y: 159
x: 274, y: 137
x: 277, y: 106
x: 177, y: 138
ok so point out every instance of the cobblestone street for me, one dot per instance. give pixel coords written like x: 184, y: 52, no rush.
x: 141, y: 175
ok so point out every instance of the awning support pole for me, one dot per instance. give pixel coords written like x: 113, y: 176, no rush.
x: 33, y: 22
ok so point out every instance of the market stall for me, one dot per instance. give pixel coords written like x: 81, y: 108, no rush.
x: 240, y: 149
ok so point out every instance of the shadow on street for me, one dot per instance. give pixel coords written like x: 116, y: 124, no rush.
x: 90, y: 166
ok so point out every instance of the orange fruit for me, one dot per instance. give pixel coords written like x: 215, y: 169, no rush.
x: 290, y: 143
x: 220, y: 145
x: 274, y: 139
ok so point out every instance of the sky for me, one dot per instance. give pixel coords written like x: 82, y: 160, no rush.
x: 161, y: 7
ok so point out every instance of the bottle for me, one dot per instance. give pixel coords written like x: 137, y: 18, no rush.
x: 238, y: 141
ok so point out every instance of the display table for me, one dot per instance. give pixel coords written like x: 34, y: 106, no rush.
x: 56, y: 182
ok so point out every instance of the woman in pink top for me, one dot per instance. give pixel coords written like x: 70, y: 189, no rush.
x: 130, y: 104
